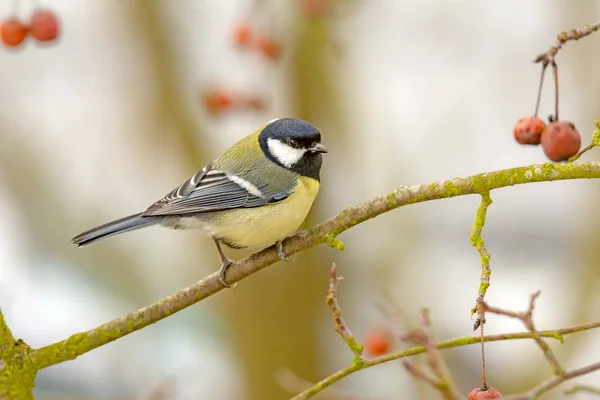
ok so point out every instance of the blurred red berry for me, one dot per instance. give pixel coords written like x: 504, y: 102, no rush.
x: 378, y: 341
x: 44, y: 26
x: 242, y: 34
x: 561, y: 140
x: 13, y: 32
x: 268, y: 47
x: 484, y: 394
x: 217, y: 100
x: 315, y: 8
x: 529, y: 130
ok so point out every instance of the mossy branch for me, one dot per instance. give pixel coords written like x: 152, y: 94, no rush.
x: 84, y: 342
x: 17, y: 374
x: 6, y: 337
x: 446, y: 344
x: 479, y: 244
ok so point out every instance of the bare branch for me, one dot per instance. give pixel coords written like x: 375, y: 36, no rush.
x: 584, y: 389
x: 547, y: 57
x: 340, y: 325
x: 446, y: 344
x: 444, y: 382
x: 554, y: 382
x: 481, y: 335
x: 327, y: 231
x: 595, y: 142
x: 291, y: 382
x: 418, y: 373
x: 527, y: 319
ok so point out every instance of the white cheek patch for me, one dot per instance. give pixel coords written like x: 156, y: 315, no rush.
x: 285, y: 154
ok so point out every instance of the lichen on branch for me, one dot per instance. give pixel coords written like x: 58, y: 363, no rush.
x: 84, y: 342
x: 479, y: 244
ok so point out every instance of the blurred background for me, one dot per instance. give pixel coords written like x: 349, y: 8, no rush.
x: 136, y: 96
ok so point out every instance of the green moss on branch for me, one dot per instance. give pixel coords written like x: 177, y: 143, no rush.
x: 81, y: 343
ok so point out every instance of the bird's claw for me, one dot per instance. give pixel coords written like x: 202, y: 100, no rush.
x: 282, y: 254
x: 226, y: 264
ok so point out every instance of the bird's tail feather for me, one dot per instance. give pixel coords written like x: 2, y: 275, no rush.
x: 116, y: 227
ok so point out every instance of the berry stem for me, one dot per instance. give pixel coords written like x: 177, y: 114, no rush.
x: 483, y: 377
x: 555, y: 71
x: 539, y: 96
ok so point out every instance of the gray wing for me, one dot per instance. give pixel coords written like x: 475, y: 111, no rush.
x: 215, y: 190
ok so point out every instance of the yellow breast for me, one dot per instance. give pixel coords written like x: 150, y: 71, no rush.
x: 264, y: 226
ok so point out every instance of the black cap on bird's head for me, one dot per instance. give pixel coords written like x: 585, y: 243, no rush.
x: 293, y: 144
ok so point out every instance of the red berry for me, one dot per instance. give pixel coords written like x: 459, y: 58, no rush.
x: 529, y: 130
x: 44, y: 26
x: 217, y: 100
x: 378, y: 341
x: 242, y: 35
x: 484, y: 394
x: 13, y: 32
x: 268, y: 47
x: 561, y: 140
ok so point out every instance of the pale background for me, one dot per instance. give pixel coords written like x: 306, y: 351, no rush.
x: 108, y: 121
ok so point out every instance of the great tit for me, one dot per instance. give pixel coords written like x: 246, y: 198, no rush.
x: 254, y: 195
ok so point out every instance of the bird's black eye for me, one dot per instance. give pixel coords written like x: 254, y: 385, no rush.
x: 293, y: 143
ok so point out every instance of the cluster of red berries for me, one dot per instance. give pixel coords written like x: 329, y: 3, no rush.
x: 560, y: 139
x: 217, y: 100
x: 43, y: 26
x: 245, y: 37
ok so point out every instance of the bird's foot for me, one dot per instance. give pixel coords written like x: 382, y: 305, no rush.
x: 282, y: 254
x: 226, y: 264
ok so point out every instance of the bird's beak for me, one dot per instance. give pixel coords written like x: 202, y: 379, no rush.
x: 318, y: 148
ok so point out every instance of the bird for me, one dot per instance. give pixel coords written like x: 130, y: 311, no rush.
x: 256, y: 194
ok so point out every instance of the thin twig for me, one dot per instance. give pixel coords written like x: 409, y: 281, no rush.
x: 539, y: 95
x: 293, y: 383
x: 435, y: 361
x: 595, y: 142
x: 527, y: 319
x: 554, y: 382
x: 81, y: 343
x: 340, y: 326
x: 483, y: 373
x: 479, y: 244
x: 583, y: 388
x: 444, y: 382
x: 486, y: 271
x: 446, y: 344
x: 574, y: 34
x: 418, y: 373
x: 556, y: 96
x: 583, y: 151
